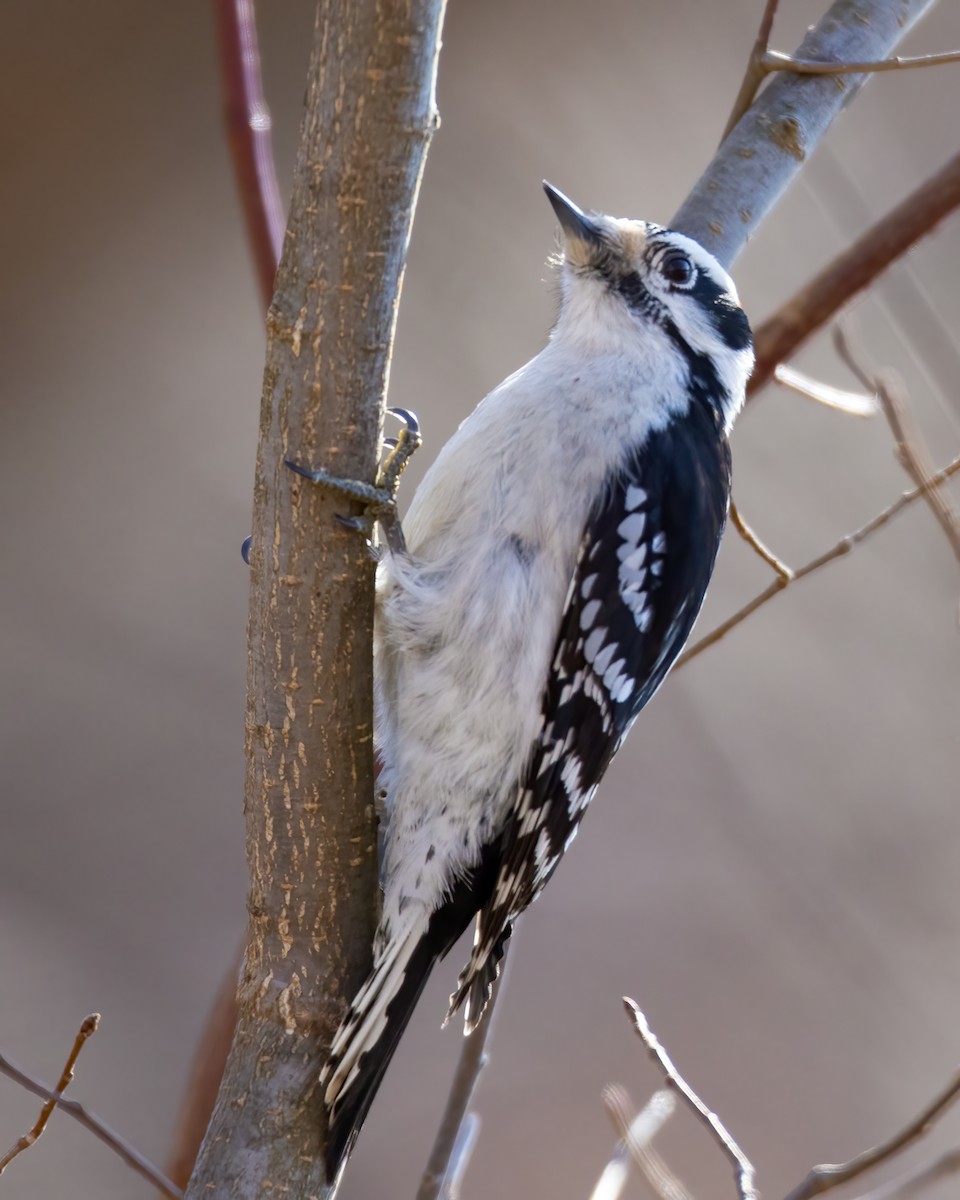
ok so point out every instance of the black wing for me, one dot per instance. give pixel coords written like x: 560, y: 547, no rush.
x: 642, y: 570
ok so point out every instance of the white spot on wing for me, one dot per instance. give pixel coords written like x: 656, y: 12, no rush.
x: 589, y: 614
x: 632, y: 556
x: 635, y: 497
x: 591, y: 647
x: 631, y: 528
x: 602, y: 661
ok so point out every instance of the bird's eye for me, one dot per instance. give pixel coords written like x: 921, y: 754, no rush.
x: 677, y: 268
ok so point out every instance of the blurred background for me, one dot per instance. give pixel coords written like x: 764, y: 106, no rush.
x: 771, y: 868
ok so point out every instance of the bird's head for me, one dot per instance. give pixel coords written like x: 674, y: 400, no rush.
x: 634, y: 288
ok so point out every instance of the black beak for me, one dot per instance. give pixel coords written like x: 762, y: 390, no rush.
x: 575, y: 222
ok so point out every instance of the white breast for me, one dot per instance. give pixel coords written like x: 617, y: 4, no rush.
x: 466, y: 626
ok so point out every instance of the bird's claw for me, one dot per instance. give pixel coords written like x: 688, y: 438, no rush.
x: 402, y: 448
x: 378, y: 499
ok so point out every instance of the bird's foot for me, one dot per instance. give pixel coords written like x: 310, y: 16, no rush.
x: 379, y: 499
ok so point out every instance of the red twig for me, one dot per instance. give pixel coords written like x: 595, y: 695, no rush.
x: 248, y: 129
x: 818, y: 301
x: 205, y: 1076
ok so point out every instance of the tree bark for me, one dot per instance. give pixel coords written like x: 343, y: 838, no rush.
x: 311, y: 830
x: 769, y: 145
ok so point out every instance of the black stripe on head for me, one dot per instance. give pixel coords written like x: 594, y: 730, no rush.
x: 705, y: 383
x: 729, y: 319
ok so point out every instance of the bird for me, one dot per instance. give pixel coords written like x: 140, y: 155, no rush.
x: 553, y: 561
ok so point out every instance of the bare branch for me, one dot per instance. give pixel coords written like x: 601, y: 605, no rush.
x: 756, y: 72
x: 818, y: 302
x: 205, y: 1075
x: 448, y: 1157
x: 853, y: 403
x: 831, y: 1175
x: 769, y: 145
x: 119, y: 1145
x: 248, y: 129
x: 844, y: 546
x: 757, y: 546
x: 636, y: 1132
x: 744, y: 1173
x: 87, y: 1029
x: 773, y: 60
x: 912, y: 1183
x: 911, y: 450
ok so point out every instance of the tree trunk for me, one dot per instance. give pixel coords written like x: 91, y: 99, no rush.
x: 311, y: 830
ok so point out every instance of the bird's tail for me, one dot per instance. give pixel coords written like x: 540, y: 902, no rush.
x: 368, y: 1036
x: 475, y: 984
x: 369, y: 1033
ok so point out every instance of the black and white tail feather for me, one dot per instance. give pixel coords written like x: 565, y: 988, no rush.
x: 371, y: 1029
x: 559, y: 552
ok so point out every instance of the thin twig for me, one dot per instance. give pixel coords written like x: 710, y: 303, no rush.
x: 779, y: 337
x: 911, y: 449
x: 773, y: 60
x: 86, y: 1030
x: 831, y: 1175
x: 248, y: 129
x: 755, y: 72
x: 636, y: 1132
x: 133, y: 1158
x: 912, y: 1183
x: 855, y: 404
x: 444, y: 1163
x: 744, y: 1173
x: 844, y: 546
x: 757, y: 546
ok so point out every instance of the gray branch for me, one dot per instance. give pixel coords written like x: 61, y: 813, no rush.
x: 754, y: 166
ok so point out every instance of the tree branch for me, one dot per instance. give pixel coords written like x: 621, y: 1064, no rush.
x: 773, y: 60
x: 912, y: 1183
x: 120, y: 1146
x: 831, y: 1175
x: 448, y: 1155
x: 636, y: 1132
x: 755, y: 72
x: 844, y: 546
x: 759, y: 548
x: 854, y: 404
x: 779, y: 337
x: 910, y: 448
x: 87, y: 1029
x: 247, y: 121
x: 743, y: 1168
x: 311, y: 836
x: 769, y: 145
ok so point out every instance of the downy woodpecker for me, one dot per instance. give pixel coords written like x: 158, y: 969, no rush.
x: 557, y: 554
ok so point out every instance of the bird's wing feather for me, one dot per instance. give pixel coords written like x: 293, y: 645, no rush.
x: 642, y: 570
